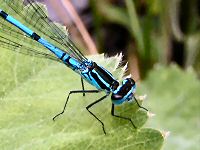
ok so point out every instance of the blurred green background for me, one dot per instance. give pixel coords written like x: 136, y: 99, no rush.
x: 154, y: 34
x: 153, y: 31
x: 160, y: 40
x: 164, y: 33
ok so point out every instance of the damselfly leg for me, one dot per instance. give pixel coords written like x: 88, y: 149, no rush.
x: 90, y: 105
x: 126, y: 118
x: 83, y: 87
x: 73, y: 92
x: 139, y: 104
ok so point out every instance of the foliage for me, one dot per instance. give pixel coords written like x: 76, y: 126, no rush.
x: 174, y: 97
x: 154, y: 26
x: 28, y: 105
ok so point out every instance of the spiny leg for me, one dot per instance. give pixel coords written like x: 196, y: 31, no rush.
x: 126, y: 118
x: 139, y: 104
x: 83, y: 87
x: 90, y: 105
x: 72, y: 92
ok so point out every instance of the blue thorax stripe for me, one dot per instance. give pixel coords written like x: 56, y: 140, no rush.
x: 99, y: 80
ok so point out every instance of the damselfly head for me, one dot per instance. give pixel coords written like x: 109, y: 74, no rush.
x: 124, y: 92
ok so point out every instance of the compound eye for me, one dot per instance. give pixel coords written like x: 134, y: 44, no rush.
x: 131, y: 81
x: 127, y: 89
x: 124, y: 92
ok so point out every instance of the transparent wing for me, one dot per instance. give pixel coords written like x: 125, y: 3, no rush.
x: 33, y: 15
x: 11, y: 45
x: 14, y: 40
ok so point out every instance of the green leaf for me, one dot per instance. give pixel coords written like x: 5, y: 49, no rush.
x: 27, y: 109
x: 174, y: 97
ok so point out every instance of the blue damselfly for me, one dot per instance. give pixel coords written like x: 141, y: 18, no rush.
x: 31, y: 17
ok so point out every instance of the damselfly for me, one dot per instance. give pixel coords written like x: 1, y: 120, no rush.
x: 33, y: 16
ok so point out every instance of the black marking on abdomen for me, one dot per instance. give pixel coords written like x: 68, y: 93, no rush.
x: 67, y: 59
x: 35, y: 36
x: 3, y: 14
x: 63, y: 55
